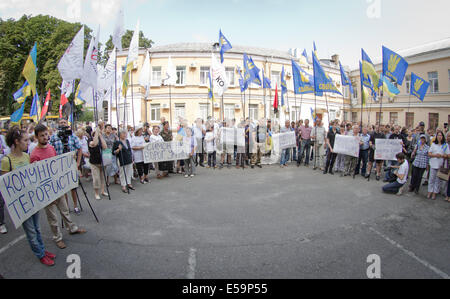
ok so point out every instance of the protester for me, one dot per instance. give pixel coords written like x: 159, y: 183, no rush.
x: 159, y: 165
x: 319, y: 135
x: 138, y: 145
x: 285, y: 153
x: 331, y: 157
x: 122, y: 150
x: 350, y: 161
x: 363, y: 152
x: 378, y: 134
x: 305, y: 136
x: 401, y: 174
x: 111, y: 169
x: 191, y: 145
x: 438, y: 152
x: 45, y: 151
x: 210, y: 146
x: 96, y: 145
x: 420, y: 163
x: 17, y: 140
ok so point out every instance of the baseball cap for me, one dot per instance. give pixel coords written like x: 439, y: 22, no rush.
x: 421, y: 124
x: 423, y: 136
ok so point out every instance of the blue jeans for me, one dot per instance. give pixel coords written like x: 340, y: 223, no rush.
x: 33, y: 233
x: 294, y: 154
x: 305, y: 146
x: 364, y: 156
x: 392, y: 188
x: 389, y: 172
x: 285, y: 155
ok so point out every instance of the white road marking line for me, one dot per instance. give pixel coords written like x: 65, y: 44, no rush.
x: 12, y: 243
x: 413, y: 255
x: 192, y: 263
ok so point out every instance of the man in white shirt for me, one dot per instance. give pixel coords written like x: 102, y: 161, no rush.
x: 401, y: 173
x: 319, y: 135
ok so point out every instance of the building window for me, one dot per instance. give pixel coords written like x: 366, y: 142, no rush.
x: 433, y: 120
x: 156, y: 76
x: 294, y: 113
x: 180, y: 111
x: 228, y: 111
x: 345, y: 115
x: 354, y: 117
x: 203, y: 111
x: 409, y: 119
x: 204, y: 75
x: 408, y: 83
x: 345, y: 91
x: 434, y: 82
x: 125, y: 115
x: 393, y: 118
x: 155, y: 114
x: 253, y: 111
x: 379, y: 118
x: 230, y: 75
x: 355, y: 91
x: 181, y: 75
x: 275, y: 79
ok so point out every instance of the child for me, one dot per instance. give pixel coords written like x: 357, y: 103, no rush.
x: 191, y: 143
x: 210, y: 147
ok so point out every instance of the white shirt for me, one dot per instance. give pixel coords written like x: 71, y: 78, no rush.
x: 210, y: 144
x: 404, y: 169
x: 198, y: 132
x: 84, y: 145
x: 437, y: 163
x: 138, y: 141
x: 156, y: 138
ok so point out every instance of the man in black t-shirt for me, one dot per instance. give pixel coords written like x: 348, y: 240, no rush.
x: 377, y: 134
x: 331, y: 157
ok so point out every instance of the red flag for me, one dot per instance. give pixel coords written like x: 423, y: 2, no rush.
x: 45, y: 108
x: 62, y: 103
x: 275, y: 102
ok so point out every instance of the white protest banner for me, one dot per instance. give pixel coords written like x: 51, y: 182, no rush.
x: 284, y: 140
x: 240, y: 137
x: 387, y: 149
x: 31, y: 188
x: 227, y: 136
x: 165, y: 151
x: 346, y: 145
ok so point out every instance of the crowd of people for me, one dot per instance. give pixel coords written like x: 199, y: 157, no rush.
x: 106, y: 155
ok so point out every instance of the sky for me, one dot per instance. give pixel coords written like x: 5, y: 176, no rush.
x: 337, y: 26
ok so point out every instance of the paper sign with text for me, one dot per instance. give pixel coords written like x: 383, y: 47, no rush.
x: 165, y: 151
x: 387, y: 149
x: 346, y: 145
x: 28, y: 189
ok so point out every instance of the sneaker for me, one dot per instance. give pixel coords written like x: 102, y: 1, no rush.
x: 192, y: 175
x: 47, y: 261
x: 3, y: 229
x: 50, y: 255
x: 186, y: 176
x: 77, y: 211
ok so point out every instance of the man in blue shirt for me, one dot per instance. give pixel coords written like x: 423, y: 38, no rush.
x: 62, y: 138
x: 363, y: 151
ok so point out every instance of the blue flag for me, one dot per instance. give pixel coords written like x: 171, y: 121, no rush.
x: 368, y: 73
x: 303, y: 82
x: 224, y: 45
x: 322, y: 82
x: 34, y: 105
x: 266, y: 81
x: 345, y: 80
x: 242, y: 83
x: 394, y: 66
x: 210, y: 89
x: 419, y: 87
x: 22, y: 93
x: 283, y: 86
x: 251, y: 74
x: 18, y: 114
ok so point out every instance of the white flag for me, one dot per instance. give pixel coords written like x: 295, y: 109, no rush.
x: 67, y: 88
x: 107, y: 74
x: 218, y: 76
x: 171, y: 73
x: 90, y: 71
x: 119, y: 30
x: 133, y: 51
x: 71, y: 64
x: 145, y: 76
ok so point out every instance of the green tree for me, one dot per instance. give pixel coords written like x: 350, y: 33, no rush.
x: 17, y: 37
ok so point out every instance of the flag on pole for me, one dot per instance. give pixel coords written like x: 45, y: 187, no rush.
x: 313, y: 114
x: 251, y: 71
x: 34, y: 111
x: 303, y: 82
x: 45, y: 108
x: 22, y: 93
x: 133, y: 54
x: 419, y: 87
x: 107, y: 74
x: 224, y: 45
x: 90, y: 71
x: 283, y: 86
x: 119, y: 30
x: 218, y: 76
x: 16, y: 117
x: 242, y: 83
x: 171, y: 73
x: 304, y: 58
x: 30, y: 69
x: 266, y: 81
x: 322, y: 82
x: 210, y: 89
x: 146, y: 73
x: 388, y: 87
x: 345, y: 80
x: 394, y: 66
x: 63, y: 101
x: 275, y: 101
x: 71, y: 64
x: 368, y: 69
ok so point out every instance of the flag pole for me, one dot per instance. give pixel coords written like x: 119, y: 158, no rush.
x: 132, y: 98
x: 170, y: 103
x: 223, y: 112
x: 301, y: 103
x: 328, y: 111
x: 381, y: 104
x: 118, y: 117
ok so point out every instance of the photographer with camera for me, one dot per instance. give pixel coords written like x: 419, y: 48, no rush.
x: 401, y: 172
x: 64, y: 141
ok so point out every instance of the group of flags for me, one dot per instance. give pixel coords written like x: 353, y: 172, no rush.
x: 98, y: 80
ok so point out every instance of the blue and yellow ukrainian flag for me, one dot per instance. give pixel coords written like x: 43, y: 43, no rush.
x: 30, y: 69
x: 224, y: 44
x: 419, y: 87
x: 22, y: 93
x: 394, y: 66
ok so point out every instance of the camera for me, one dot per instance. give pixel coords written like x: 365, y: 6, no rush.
x: 64, y: 133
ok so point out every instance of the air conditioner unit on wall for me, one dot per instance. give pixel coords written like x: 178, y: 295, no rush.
x: 237, y: 106
x: 165, y: 106
x: 216, y: 105
x: 193, y: 65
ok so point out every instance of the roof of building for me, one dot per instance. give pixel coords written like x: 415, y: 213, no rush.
x: 207, y: 47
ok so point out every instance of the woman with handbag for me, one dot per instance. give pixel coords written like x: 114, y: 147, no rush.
x: 438, y: 152
x: 138, y: 145
x: 96, y: 145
